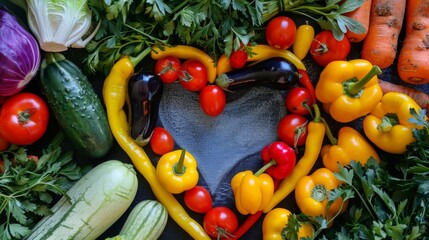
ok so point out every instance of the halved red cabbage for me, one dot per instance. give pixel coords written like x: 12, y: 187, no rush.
x: 19, y: 55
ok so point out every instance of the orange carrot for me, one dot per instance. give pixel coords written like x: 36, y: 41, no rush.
x: 360, y: 14
x: 380, y: 45
x: 414, y: 55
x: 421, y: 98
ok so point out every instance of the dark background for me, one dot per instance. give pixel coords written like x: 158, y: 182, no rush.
x: 173, y: 231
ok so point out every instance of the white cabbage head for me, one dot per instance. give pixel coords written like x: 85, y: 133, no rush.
x: 60, y: 24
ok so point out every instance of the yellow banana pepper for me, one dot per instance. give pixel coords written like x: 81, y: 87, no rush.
x: 187, y: 52
x: 260, y: 52
x: 351, y: 145
x: 114, y: 96
x: 349, y: 89
x: 275, y: 222
x: 312, y: 192
x: 252, y: 192
x: 388, y: 126
x: 177, y: 171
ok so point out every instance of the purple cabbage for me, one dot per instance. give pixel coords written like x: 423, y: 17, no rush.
x: 19, y: 55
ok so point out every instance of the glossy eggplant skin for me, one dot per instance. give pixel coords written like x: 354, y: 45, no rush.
x: 276, y: 73
x: 145, y: 92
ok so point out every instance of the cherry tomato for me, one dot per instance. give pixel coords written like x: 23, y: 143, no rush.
x: 325, y: 48
x: 212, y: 100
x: 193, y: 75
x: 238, y: 59
x: 292, y: 129
x: 298, y: 101
x: 24, y: 118
x: 167, y: 68
x: 220, y: 222
x: 281, y: 32
x: 3, y: 144
x: 161, y: 141
x: 198, y: 199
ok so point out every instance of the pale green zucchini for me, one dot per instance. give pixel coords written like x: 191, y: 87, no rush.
x: 95, y: 202
x: 146, y: 221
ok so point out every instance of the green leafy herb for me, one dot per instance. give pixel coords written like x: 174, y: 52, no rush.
x: 29, y: 185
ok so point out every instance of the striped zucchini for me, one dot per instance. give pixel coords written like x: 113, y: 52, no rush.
x: 95, y: 202
x: 146, y: 221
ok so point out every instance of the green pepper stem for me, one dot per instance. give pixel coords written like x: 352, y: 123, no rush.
x: 355, y: 87
x: 179, y: 168
x: 265, y: 167
x: 331, y: 137
x: 317, y: 118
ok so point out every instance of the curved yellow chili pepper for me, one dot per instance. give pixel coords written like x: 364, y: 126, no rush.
x: 313, y: 145
x: 114, y: 95
x: 260, y: 52
x: 276, y: 221
x: 187, y: 52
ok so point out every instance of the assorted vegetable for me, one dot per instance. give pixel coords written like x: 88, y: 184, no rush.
x: 19, y: 54
x: 374, y: 184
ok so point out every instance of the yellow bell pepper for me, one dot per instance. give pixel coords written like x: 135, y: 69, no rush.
x: 387, y: 126
x: 252, y: 192
x: 351, y: 145
x: 312, y: 192
x: 349, y: 89
x: 275, y: 222
x: 177, y: 171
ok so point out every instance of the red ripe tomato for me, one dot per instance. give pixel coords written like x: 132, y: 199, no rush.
x: 212, y: 100
x: 220, y: 222
x: 325, y: 48
x: 3, y: 144
x: 167, y: 68
x: 161, y: 141
x: 193, y: 75
x: 24, y: 118
x: 238, y: 59
x: 298, y: 101
x: 281, y: 32
x: 292, y: 129
x: 198, y: 199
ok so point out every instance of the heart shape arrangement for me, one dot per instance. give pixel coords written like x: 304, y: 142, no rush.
x: 228, y: 143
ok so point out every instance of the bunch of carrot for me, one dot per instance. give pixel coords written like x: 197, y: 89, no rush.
x: 384, y: 20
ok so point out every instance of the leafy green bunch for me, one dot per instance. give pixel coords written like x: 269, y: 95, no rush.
x: 387, y: 200
x: 28, y: 185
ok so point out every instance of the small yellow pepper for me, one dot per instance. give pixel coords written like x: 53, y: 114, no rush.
x: 252, y: 192
x: 349, y: 89
x: 312, y: 192
x: 313, y: 144
x: 114, y: 95
x: 187, y: 52
x: 351, y: 145
x: 260, y: 52
x: 177, y: 171
x: 388, y: 126
x: 275, y: 222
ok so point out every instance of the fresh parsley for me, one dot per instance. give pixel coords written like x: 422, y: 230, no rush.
x: 29, y: 185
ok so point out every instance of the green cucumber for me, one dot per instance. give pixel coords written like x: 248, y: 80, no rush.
x: 146, y: 221
x: 76, y: 106
x: 94, y: 203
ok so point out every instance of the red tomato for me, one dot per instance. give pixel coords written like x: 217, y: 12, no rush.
x: 298, y: 101
x: 292, y: 129
x: 220, y: 222
x: 167, y: 68
x: 3, y: 144
x: 238, y: 59
x: 161, y: 141
x: 281, y: 32
x: 325, y: 48
x: 212, y: 100
x: 193, y: 75
x: 198, y: 199
x: 24, y: 118
x: 1, y: 166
